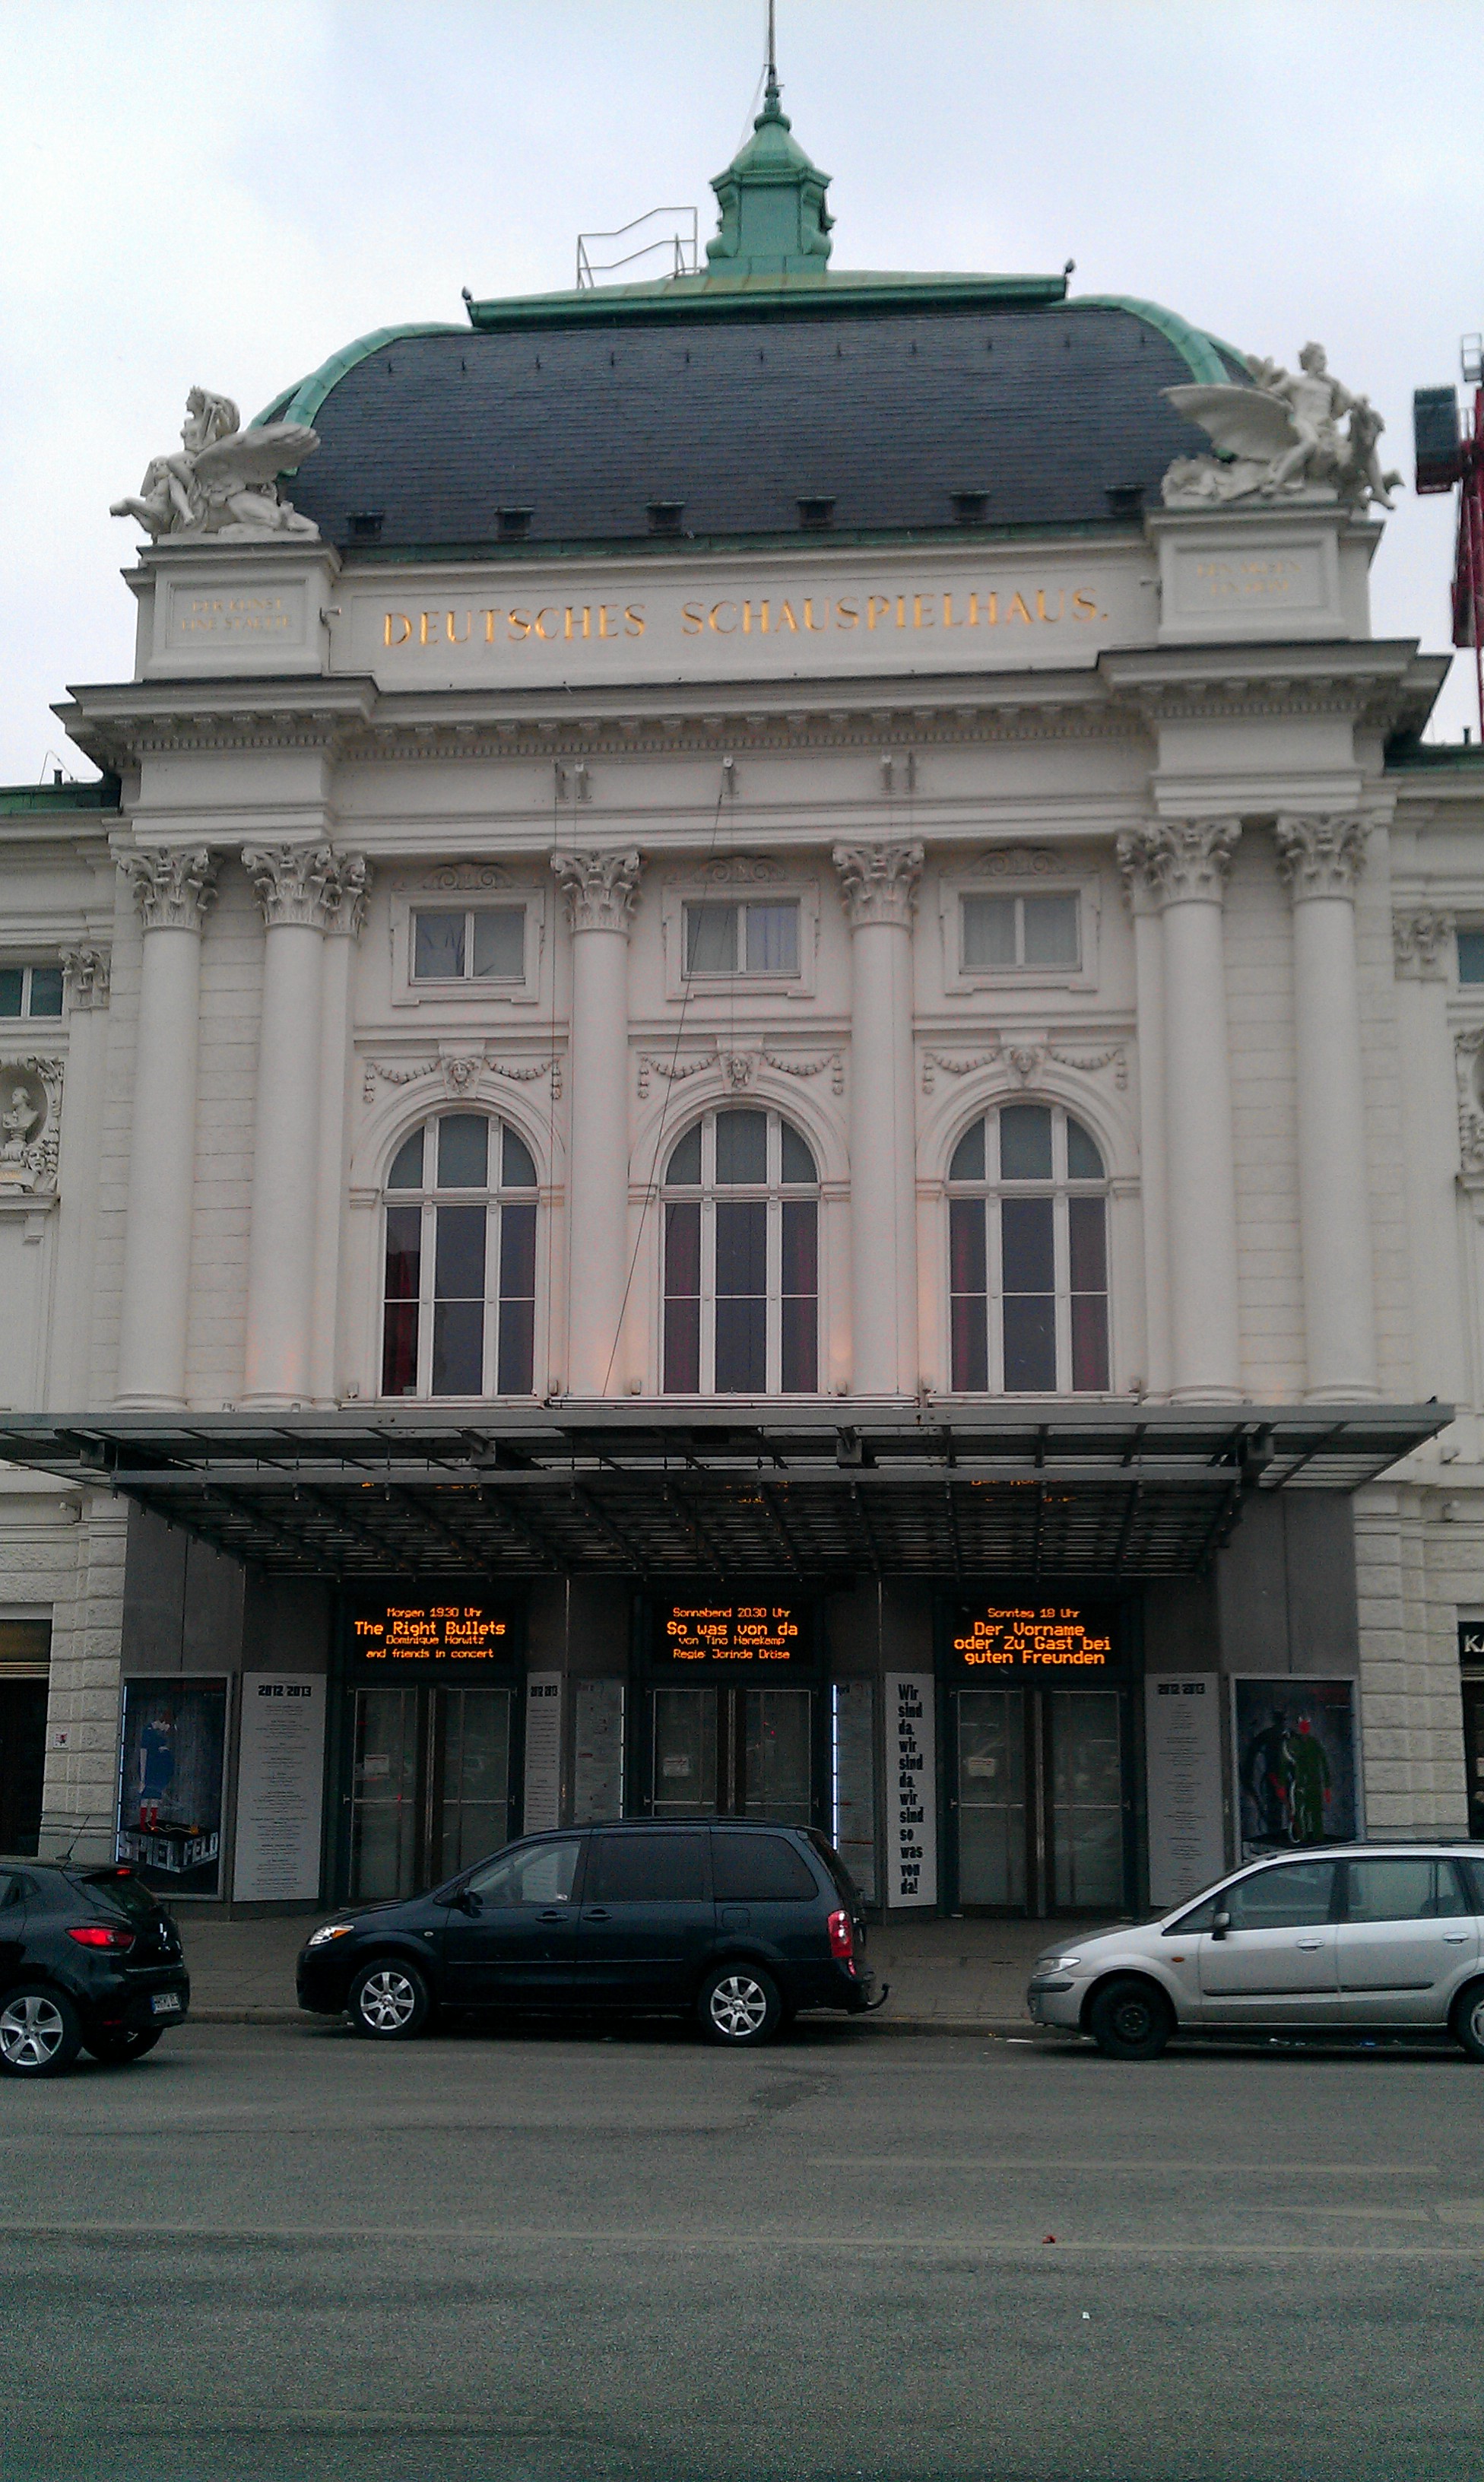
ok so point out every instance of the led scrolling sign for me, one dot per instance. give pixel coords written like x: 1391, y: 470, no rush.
x: 427, y: 1632
x: 1034, y: 1637
x: 731, y: 1632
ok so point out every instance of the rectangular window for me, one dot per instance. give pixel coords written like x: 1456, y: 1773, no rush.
x: 1470, y: 956
x: 742, y: 1297
x: 403, y: 1271
x: 458, y: 1301
x: 1030, y: 1295
x: 748, y: 939
x: 515, y: 1362
x: 484, y: 943
x: 683, y: 1299
x: 799, y: 1303
x: 30, y: 990
x: 968, y: 1293
x: 1006, y: 934
x: 1087, y: 1253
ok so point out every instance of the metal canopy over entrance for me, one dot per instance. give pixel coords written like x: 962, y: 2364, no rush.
x: 953, y: 1488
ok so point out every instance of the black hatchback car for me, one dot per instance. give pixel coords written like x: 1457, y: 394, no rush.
x: 89, y: 1961
x: 741, y: 1924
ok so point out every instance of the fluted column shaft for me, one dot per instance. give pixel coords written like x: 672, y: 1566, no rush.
x: 1182, y: 864
x: 347, y: 895
x: 879, y: 884
x: 297, y: 888
x: 600, y: 890
x: 1321, y: 859
x: 173, y: 890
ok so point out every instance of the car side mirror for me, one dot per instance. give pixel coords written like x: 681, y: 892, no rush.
x: 468, y: 1902
x: 1220, y: 1924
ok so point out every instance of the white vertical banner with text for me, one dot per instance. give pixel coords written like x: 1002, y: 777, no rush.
x: 281, y: 1783
x: 543, y: 1751
x: 911, y: 1789
x: 1182, y: 1757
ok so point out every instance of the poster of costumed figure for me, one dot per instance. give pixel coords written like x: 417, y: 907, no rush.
x: 169, y: 1792
x: 1294, y: 1746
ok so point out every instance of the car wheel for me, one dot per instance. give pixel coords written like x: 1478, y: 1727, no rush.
x: 740, y: 2005
x: 1468, y: 2021
x: 389, y: 2001
x: 122, y: 2043
x: 39, y: 2033
x: 1129, y: 2019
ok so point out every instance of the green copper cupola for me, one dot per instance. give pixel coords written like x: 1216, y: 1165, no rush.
x: 775, y: 220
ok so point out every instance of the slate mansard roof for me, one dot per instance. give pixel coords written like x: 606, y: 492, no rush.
x: 587, y: 409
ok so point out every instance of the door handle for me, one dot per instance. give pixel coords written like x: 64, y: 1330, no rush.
x: 1311, y: 1943
x: 552, y: 1916
x: 596, y: 1914
x: 1455, y: 1939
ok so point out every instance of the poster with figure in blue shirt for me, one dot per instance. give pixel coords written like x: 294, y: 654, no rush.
x: 169, y: 1784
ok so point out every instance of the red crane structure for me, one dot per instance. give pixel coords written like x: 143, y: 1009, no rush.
x: 1449, y: 442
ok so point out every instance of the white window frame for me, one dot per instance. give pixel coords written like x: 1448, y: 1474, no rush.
x: 1059, y: 1188
x: 775, y: 1194
x: 427, y: 1199
x: 740, y: 986
x: 958, y: 978
x: 27, y: 967
x: 461, y: 994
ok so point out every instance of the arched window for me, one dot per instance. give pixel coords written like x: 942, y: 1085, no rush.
x: 460, y: 1296
x: 741, y: 1259
x: 1028, y: 1256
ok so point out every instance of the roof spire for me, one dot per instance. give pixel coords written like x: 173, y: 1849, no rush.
x: 773, y: 218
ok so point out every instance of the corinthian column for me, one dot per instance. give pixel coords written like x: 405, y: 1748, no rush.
x: 600, y: 889
x: 346, y: 884
x: 1422, y: 940
x: 1321, y: 858
x: 173, y: 890
x: 293, y: 884
x: 879, y: 885
x: 1183, y: 865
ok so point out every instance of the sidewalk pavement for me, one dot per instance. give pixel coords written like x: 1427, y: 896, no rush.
x: 945, y: 1977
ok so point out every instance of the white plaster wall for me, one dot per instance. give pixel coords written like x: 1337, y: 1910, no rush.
x: 1413, y: 1569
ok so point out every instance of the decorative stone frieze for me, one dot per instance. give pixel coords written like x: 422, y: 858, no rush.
x: 740, y: 1069
x: 1420, y: 941
x: 878, y: 882
x: 460, y: 1071
x: 1320, y: 855
x: 173, y: 884
x: 600, y: 887
x: 292, y: 883
x: 1017, y: 862
x: 1024, y: 1061
x: 87, y: 971
x: 736, y: 870
x: 30, y: 1127
x: 1175, y: 861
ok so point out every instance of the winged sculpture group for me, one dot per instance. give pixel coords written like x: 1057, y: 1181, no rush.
x: 223, y: 481
x: 1281, y: 437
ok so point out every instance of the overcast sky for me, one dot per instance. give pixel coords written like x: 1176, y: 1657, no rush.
x: 226, y: 190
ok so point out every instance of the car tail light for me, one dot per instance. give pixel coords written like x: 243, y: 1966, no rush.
x: 94, y: 1935
x: 842, y: 1938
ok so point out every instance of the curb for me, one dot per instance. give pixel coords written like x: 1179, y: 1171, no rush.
x: 994, y: 2028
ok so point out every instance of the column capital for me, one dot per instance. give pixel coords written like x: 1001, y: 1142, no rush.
x: 293, y: 884
x: 86, y: 972
x: 600, y: 887
x: 346, y: 888
x: 1419, y: 939
x: 1322, y: 854
x: 173, y: 884
x: 878, y: 882
x: 1179, y: 861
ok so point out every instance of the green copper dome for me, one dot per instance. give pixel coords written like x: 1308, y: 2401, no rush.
x: 775, y: 220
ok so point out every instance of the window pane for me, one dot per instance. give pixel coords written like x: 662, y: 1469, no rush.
x: 45, y: 990
x: 1294, y: 1897
x: 741, y: 1347
x: 967, y: 1261
x: 1089, y: 1341
x: 1087, y: 1234
x: 749, y: 1869
x: 518, y: 1169
x: 1391, y: 1891
x: 516, y: 1342
x: 742, y: 1247
x: 399, y: 1334
x: 773, y: 939
x: 1051, y: 930
x: 406, y: 1172
x: 403, y: 1252
x: 711, y: 938
x: 1025, y: 1142
x: 457, y: 1348
x: 399, y: 1350
x: 646, y: 1870
x: 967, y: 1288
x: 437, y: 947
x: 741, y: 1306
x: 1028, y: 1261
x: 517, y: 1251
x: 800, y: 1255
x: 11, y: 977
x: 741, y: 1148
x: 799, y: 1321
x: 971, y: 1344
x: 798, y: 1164
x: 1083, y: 1161
x: 463, y: 1151
x: 459, y: 1260
x: 684, y: 1163
x: 989, y: 932
x: 1471, y: 962
x: 968, y: 1162
x: 682, y: 1298
x: 499, y: 943
x: 1029, y: 1345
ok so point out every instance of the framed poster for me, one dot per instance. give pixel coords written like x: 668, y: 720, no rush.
x: 911, y: 1789
x: 1293, y: 1742
x: 281, y: 1787
x: 1183, y: 1758
x: 597, y: 1755
x: 543, y: 1751
x: 169, y: 1784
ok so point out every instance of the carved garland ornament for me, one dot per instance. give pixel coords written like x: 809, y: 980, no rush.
x: 739, y: 1069
x: 1026, y: 1061
x: 461, y: 1073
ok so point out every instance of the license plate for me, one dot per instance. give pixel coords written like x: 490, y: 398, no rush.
x: 166, y: 2003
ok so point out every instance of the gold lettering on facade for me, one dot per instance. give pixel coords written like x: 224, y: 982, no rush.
x: 786, y: 620
x: 1041, y: 612
x: 924, y: 608
x: 454, y: 638
x: 1016, y: 609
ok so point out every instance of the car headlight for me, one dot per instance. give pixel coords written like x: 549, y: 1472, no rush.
x: 1056, y: 1963
x: 328, y: 1931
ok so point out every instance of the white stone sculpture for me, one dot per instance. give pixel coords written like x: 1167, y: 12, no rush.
x: 29, y: 1126
x: 17, y: 1123
x: 1281, y: 437
x: 223, y: 481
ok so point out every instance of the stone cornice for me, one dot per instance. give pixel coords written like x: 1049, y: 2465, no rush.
x: 1383, y: 683
x: 118, y: 724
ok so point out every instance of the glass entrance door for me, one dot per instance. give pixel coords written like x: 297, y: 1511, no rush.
x: 733, y: 1753
x: 430, y: 1784
x: 1040, y: 1800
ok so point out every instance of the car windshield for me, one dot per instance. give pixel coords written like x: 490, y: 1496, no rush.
x: 122, y: 1888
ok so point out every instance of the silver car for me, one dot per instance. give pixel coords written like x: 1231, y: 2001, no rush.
x: 1353, y: 1939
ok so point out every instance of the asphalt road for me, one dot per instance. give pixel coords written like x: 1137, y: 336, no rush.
x: 561, y: 2258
